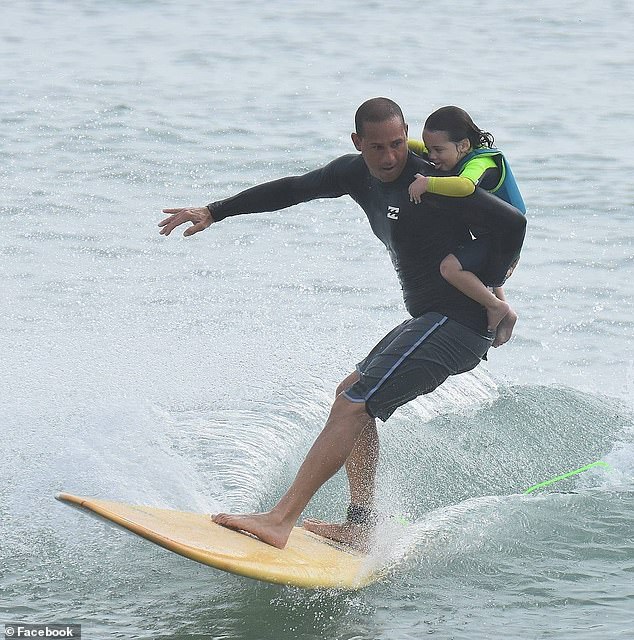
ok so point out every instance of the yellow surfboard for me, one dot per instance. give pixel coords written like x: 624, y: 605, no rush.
x: 308, y: 560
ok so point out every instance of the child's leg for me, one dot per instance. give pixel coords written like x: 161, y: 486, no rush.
x: 467, y: 282
x: 505, y: 328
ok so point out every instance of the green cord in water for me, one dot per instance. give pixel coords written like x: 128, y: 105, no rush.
x: 563, y: 476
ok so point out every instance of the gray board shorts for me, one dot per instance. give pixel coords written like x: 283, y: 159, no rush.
x: 413, y: 359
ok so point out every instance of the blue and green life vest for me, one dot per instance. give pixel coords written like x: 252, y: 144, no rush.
x: 506, y: 188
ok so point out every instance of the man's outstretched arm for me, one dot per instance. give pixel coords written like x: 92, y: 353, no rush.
x: 269, y: 196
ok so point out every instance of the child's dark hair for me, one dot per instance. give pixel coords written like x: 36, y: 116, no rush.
x: 458, y: 125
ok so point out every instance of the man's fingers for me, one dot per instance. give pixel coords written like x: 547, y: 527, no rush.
x: 171, y: 218
x: 167, y: 229
x: 169, y: 224
x: 195, y: 228
x: 162, y: 223
x: 199, y: 217
x: 177, y: 217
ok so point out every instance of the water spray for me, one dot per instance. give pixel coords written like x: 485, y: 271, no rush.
x: 540, y: 485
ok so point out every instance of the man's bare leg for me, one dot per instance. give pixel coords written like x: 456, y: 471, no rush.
x: 361, y: 468
x: 363, y: 461
x: 329, y: 452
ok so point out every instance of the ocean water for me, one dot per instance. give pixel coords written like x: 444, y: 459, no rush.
x: 195, y: 373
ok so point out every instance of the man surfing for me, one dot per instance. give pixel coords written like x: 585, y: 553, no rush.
x: 445, y: 335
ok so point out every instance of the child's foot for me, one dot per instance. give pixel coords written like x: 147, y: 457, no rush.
x: 496, y: 313
x: 505, y: 328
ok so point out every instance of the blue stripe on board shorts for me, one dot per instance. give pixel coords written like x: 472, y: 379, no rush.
x: 413, y: 359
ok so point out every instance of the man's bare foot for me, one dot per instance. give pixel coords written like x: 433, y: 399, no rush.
x: 496, y: 313
x: 265, y: 526
x: 505, y: 329
x: 354, y: 535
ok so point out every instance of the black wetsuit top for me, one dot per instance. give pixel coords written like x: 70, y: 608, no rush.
x: 417, y: 236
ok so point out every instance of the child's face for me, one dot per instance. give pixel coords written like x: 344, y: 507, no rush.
x: 444, y: 153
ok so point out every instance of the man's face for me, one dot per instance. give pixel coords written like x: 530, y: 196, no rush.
x: 383, y: 146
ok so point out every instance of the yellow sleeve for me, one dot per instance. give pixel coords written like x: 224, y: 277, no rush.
x: 417, y: 146
x: 464, y: 184
x: 455, y: 186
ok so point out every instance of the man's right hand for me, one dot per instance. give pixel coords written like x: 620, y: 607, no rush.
x: 200, y: 217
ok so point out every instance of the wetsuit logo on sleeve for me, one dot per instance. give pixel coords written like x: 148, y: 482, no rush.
x: 392, y: 212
